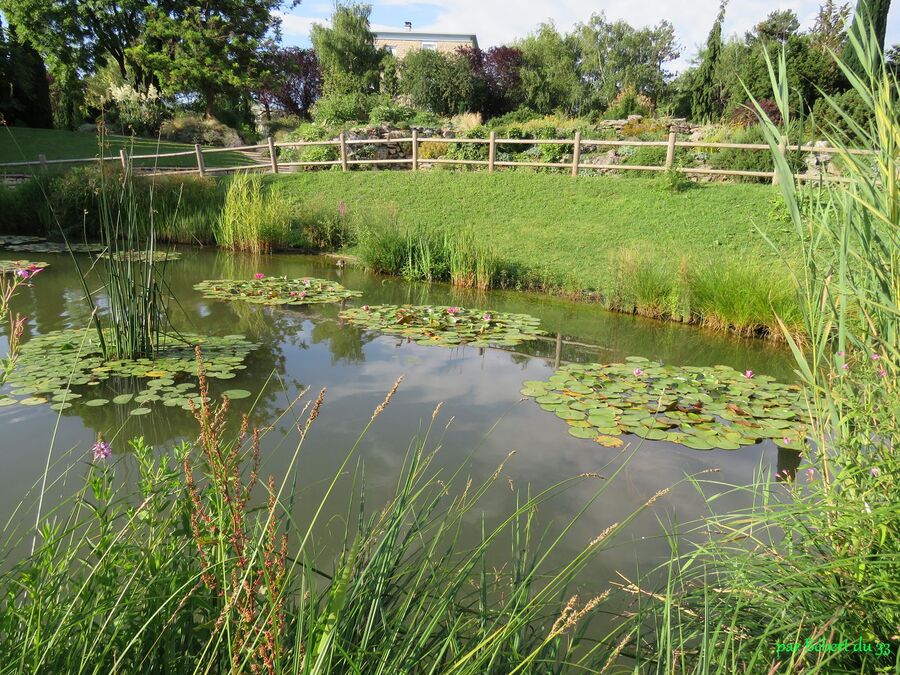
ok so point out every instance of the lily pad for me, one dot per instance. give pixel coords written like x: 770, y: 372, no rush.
x: 235, y: 394
x: 276, y: 290
x: 26, y: 268
x: 701, y: 408
x: 448, y: 326
x: 142, y: 256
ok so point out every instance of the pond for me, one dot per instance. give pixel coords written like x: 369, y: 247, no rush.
x: 485, y: 415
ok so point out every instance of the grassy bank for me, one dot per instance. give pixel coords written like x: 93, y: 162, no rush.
x: 629, y: 243
x: 696, y: 256
x: 20, y: 144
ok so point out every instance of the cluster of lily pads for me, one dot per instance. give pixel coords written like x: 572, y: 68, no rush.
x: 698, y: 407
x: 264, y: 290
x: 53, y: 368
x: 25, y: 268
x: 29, y: 244
x: 446, y: 326
x: 142, y: 256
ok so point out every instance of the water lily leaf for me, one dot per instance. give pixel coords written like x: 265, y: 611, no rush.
x: 235, y: 394
x: 609, y: 441
x: 581, y: 432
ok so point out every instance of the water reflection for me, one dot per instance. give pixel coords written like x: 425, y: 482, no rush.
x: 311, y: 347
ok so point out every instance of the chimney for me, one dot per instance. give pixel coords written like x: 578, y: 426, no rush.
x: 408, y: 26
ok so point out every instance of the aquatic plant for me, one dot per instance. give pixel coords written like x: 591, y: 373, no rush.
x: 701, y: 408
x: 24, y: 269
x: 263, y: 290
x: 446, y: 326
x: 61, y: 368
x: 253, y: 218
x: 806, y: 578
x: 143, y: 256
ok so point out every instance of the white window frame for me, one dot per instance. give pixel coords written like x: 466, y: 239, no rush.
x: 429, y: 46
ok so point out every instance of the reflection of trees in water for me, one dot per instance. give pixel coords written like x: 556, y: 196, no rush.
x: 345, y: 341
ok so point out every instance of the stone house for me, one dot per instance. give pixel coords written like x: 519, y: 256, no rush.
x: 401, y: 43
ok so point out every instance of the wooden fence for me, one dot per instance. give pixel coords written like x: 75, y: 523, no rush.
x: 273, y: 164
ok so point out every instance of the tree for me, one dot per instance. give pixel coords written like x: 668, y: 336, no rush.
x: 706, y: 101
x: 291, y: 81
x: 549, y: 72
x: 615, y: 56
x: 829, y: 32
x: 496, y: 79
x: 25, y: 90
x: 440, y: 83
x: 872, y: 13
x: 346, y: 50
x: 778, y: 26
x: 206, y: 48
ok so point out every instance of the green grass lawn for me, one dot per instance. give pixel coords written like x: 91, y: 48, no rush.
x: 18, y: 144
x: 576, y: 231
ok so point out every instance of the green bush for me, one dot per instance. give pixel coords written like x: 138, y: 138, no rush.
x: 470, y: 151
x: 392, y: 113
x: 429, y: 120
x: 828, y: 122
x: 336, y: 109
x: 433, y: 150
x: 749, y: 160
x: 315, y: 153
x: 198, y: 129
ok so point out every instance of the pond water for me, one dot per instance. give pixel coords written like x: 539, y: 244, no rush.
x: 309, y: 347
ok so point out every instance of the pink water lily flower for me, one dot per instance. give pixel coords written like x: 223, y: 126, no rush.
x: 638, y: 372
x: 365, y: 308
x: 302, y: 294
x: 259, y: 275
x: 487, y: 316
x: 749, y: 374
x: 453, y: 310
x: 293, y: 294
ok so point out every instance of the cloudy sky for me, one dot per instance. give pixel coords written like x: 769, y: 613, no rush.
x: 501, y: 21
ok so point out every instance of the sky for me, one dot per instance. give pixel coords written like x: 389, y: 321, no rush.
x: 498, y: 22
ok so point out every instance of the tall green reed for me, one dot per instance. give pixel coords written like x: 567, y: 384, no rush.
x: 815, y: 559
x: 254, y: 218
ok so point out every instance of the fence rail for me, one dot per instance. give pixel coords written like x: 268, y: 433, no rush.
x: 273, y: 164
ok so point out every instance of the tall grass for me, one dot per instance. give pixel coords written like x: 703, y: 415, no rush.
x: 254, y: 218
x: 201, y: 565
x: 815, y: 560
x: 421, y: 254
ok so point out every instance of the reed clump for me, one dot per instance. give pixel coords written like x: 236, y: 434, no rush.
x: 255, y: 217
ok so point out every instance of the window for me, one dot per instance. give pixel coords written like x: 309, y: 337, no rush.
x: 430, y: 46
x: 392, y: 49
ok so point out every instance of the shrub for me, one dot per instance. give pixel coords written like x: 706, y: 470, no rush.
x: 629, y: 102
x: 746, y: 115
x: 518, y: 116
x: 391, y: 113
x: 739, y: 159
x: 828, y: 122
x: 336, y: 109
x: 464, y: 122
x: 316, y: 153
x: 320, y: 226
x: 646, y: 129
x: 429, y: 120
x: 433, y: 150
x: 196, y: 129
x: 470, y: 151
x: 674, y: 180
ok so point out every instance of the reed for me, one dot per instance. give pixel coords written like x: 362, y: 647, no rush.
x: 815, y: 559
x: 254, y: 218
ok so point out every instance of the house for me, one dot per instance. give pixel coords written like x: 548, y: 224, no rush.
x: 402, y: 42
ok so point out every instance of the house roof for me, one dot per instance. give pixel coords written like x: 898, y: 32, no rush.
x: 426, y: 37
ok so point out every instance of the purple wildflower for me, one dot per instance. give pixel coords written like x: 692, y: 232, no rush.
x: 882, y: 373
x: 875, y: 357
x: 875, y: 471
x: 101, y: 450
x: 487, y: 316
x: 23, y: 273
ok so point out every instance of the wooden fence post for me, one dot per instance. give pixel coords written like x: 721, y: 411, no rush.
x: 201, y: 165
x: 492, y: 151
x: 123, y: 159
x: 273, y: 158
x: 343, y: 138
x: 670, y: 151
x: 42, y: 158
x: 415, y: 150
x: 576, y: 154
x: 782, y: 148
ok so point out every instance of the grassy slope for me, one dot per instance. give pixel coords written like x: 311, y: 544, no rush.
x: 574, y: 231
x: 19, y: 144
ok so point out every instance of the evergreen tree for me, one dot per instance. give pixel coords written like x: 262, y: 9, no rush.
x: 705, y: 102
x: 24, y: 85
x: 346, y: 50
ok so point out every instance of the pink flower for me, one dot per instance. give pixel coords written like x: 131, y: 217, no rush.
x: 875, y: 471
x: 638, y: 372
x: 845, y: 367
x: 875, y: 357
x: 786, y: 440
x: 882, y: 373
x: 306, y: 282
x: 302, y: 294
x: 810, y: 474
x: 342, y: 208
x: 452, y: 310
x: 841, y: 354
x: 487, y: 316
x: 293, y: 294
x: 101, y: 450
x: 365, y: 308
x: 23, y: 274
x: 748, y: 374
x: 259, y: 275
